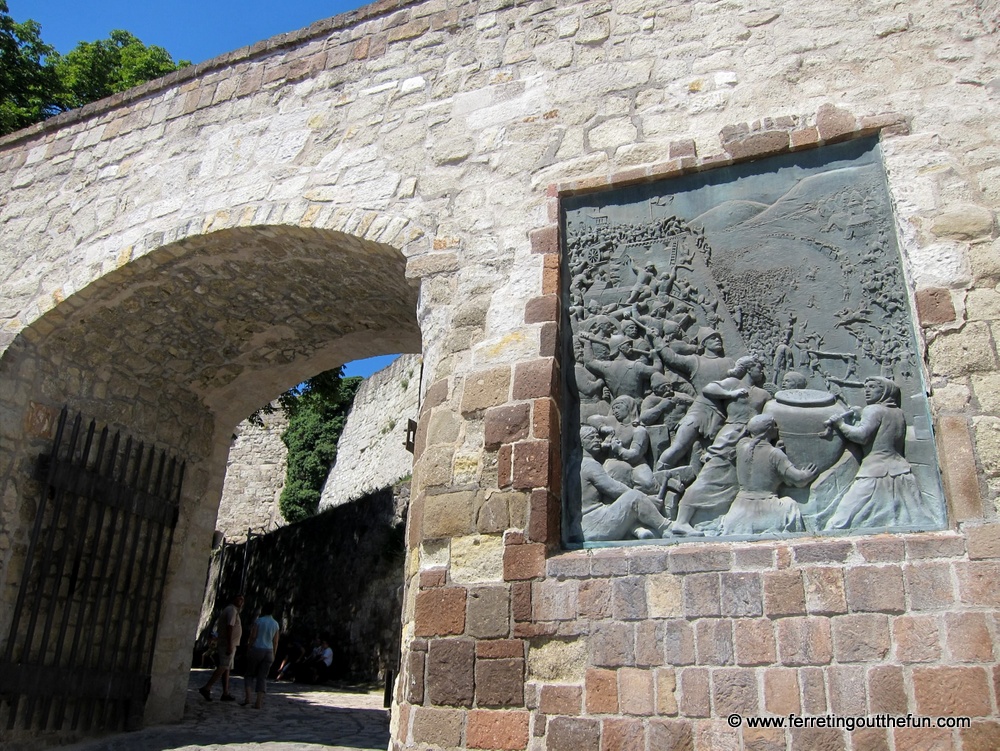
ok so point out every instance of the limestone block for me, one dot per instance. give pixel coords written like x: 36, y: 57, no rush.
x: 987, y: 431
x: 986, y: 387
x: 963, y: 222
x: 557, y: 660
x: 970, y: 350
x: 982, y: 305
x: 940, y: 264
x: 477, y: 559
x: 612, y: 133
x: 594, y: 30
x: 985, y: 260
x: 952, y: 397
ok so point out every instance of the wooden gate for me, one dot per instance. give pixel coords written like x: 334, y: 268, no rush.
x: 80, y: 648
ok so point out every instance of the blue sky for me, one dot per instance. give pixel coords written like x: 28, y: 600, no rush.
x: 194, y: 30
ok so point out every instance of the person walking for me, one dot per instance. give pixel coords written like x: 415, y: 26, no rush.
x: 229, y: 630
x: 262, y: 645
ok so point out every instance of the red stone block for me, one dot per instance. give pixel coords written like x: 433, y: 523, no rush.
x: 500, y: 683
x: 542, y: 309
x: 934, y: 306
x: 680, y: 149
x: 521, y: 562
x: 545, y: 419
x: 813, y: 687
x: 451, y: 672
x: 979, y: 583
x: 695, y: 694
x: 499, y: 648
x: 559, y: 699
x: 753, y: 641
x: 531, y: 464
x: 982, y: 736
x: 863, y: 637
x: 983, y: 541
x: 506, y: 424
x: 434, y: 577
x: 870, y: 739
x: 622, y: 735
x: 671, y: 735
x: 958, y: 468
x: 440, y: 612
x: 929, y: 585
x: 548, y: 340
x: 594, y: 599
x: 602, y: 691
x: 968, y: 637
x: 834, y: 123
x: 923, y: 739
x: 635, y: 691
x: 573, y: 734
x: 758, y: 144
x: 520, y: 600
x: 506, y: 731
x: 916, y: 638
x: 543, y: 516
x: 536, y: 379
x: 781, y: 691
x: 505, y: 467
x: 783, y: 593
x: 876, y: 589
x: 886, y: 690
x: 735, y: 690
x: 804, y: 641
x: 804, y: 137
x: 951, y: 691
x: 545, y: 240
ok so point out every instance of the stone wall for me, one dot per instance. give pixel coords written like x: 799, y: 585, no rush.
x: 371, y: 453
x: 255, y: 477
x: 441, y: 135
x: 300, y: 568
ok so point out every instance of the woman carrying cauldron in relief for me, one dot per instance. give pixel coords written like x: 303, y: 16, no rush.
x: 884, y: 493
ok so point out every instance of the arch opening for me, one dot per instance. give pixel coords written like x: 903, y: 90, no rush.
x: 176, y: 347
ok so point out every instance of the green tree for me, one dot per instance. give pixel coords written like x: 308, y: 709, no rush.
x: 317, y: 411
x: 29, y: 85
x: 37, y: 82
x: 94, y: 70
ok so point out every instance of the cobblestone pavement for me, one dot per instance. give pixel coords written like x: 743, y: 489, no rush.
x: 294, y: 718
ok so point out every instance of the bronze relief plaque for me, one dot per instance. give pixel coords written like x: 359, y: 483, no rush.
x: 740, y: 359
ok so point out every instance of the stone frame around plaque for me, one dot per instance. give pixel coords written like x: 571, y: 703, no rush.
x: 740, y: 359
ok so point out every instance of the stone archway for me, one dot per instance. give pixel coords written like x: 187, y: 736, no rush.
x: 176, y: 347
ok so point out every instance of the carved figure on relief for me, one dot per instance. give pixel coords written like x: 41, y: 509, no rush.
x: 674, y: 305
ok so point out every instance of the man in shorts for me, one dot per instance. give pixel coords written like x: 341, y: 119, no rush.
x: 229, y: 630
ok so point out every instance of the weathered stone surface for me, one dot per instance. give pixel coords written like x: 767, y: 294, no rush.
x: 485, y: 389
x: 488, y: 612
x: 442, y: 727
x: 949, y: 691
x: 440, y: 612
x: 963, y: 352
x: 934, y: 306
x: 500, y: 683
x: 451, y: 672
x: 497, y: 730
x: 963, y: 222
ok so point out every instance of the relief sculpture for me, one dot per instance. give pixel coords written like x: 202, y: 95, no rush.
x: 743, y: 357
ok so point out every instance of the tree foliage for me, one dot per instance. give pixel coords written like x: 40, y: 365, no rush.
x: 317, y: 411
x: 94, y: 70
x: 37, y: 82
x: 28, y: 83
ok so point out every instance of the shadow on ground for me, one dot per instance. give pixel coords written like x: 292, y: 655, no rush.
x: 294, y: 717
